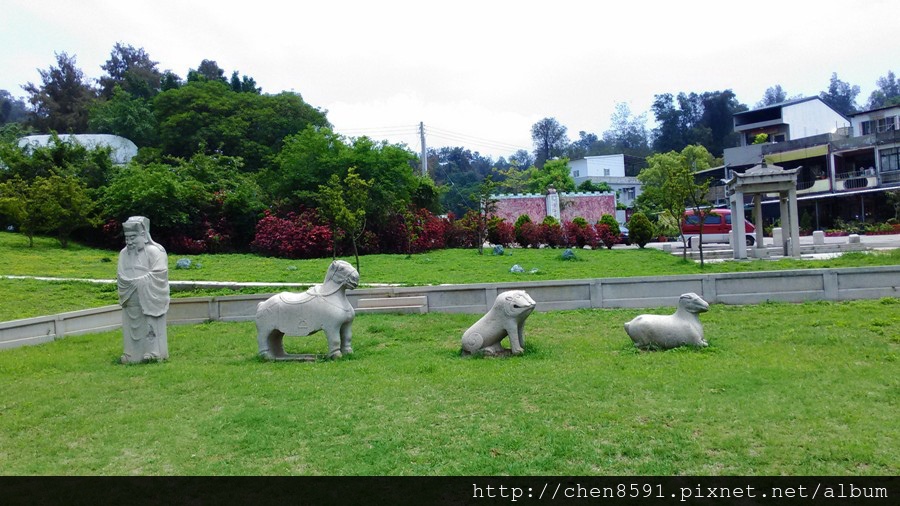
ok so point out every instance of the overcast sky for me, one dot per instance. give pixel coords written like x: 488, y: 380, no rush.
x: 478, y: 73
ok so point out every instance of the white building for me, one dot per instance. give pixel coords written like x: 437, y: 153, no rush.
x: 618, y: 171
x: 123, y: 150
x: 793, y: 119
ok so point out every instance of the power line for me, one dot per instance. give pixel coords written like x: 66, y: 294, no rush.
x: 442, y: 133
x: 412, y: 136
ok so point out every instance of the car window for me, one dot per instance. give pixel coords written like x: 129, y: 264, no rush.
x: 728, y: 219
x: 691, y: 219
x: 712, y: 219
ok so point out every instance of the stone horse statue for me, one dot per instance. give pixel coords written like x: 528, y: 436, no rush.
x: 322, y: 307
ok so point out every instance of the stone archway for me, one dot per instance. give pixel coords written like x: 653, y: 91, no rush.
x: 758, y: 181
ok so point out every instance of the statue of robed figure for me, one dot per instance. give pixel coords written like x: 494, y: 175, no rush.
x: 143, y: 282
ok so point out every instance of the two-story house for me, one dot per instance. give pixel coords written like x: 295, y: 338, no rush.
x: 846, y: 163
x: 618, y: 171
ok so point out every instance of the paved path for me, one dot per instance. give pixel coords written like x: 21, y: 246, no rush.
x: 889, y: 241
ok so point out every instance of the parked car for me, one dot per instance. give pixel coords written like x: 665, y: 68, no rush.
x: 623, y: 235
x: 716, y: 227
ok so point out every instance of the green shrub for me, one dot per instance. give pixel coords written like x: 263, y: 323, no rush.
x: 640, y: 230
x: 523, y: 218
x: 610, y: 221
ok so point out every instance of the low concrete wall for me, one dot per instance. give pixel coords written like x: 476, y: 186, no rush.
x: 642, y: 292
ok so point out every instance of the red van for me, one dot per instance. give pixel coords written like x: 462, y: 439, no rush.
x: 716, y: 227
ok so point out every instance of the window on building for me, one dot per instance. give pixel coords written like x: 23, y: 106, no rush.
x: 890, y: 159
x: 886, y: 124
x: 605, y: 172
x: 867, y: 127
x: 575, y: 173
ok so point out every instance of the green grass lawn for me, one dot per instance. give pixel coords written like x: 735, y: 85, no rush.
x: 46, y: 258
x: 794, y: 389
x: 27, y: 298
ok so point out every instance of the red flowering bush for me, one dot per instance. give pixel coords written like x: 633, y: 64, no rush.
x: 463, y: 233
x: 530, y: 234
x: 409, y: 232
x: 299, y: 235
x: 430, y: 232
x: 607, y: 235
x: 552, y: 235
x: 185, y: 245
x: 501, y: 232
x: 580, y: 234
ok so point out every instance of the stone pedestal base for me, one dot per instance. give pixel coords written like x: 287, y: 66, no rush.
x: 818, y: 238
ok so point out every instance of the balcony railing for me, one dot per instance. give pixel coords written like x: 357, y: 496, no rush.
x: 813, y: 186
x: 856, y: 179
x: 890, y: 177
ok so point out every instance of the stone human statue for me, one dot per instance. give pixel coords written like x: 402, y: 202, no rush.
x: 143, y: 282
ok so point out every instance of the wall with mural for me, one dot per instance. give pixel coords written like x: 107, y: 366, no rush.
x: 590, y: 206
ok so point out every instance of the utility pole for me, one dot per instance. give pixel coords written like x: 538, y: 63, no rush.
x: 424, y: 155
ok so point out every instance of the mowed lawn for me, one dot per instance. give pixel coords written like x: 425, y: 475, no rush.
x: 794, y: 389
x: 27, y: 298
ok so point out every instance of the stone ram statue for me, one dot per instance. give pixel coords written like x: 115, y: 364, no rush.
x: 322, y: 307
x: 505, y: 318
x: 670, y: 331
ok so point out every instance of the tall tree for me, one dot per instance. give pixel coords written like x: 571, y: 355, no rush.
x: 690, y: 118
x: 773, y: 95
x: 344, y: 205
x: 132, y: 70
x: 208, y: 70
x: 125, y: 115
x: 841, y: 95
x: 514, y: 179
x: 170, y: 81
x: 554, y: 173
x: 582, y: 147
x: 887, y: 94
x: 719, y: 108
x: 62, y: 101
x: 12, y: 109
x: 207, y: 116
x: 54, y: 204
x: 669, y: 183
x: 521, y: 158
x: 487, y: 206
x: 459, y: 171
x: 243, y: 84
x: 549, y: 139
x: 628, y: 133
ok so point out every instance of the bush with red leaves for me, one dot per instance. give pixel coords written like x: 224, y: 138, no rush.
x: 607, y: 236
x: 501, y: 232
x: 298, y: 235
x: 580, y: 234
